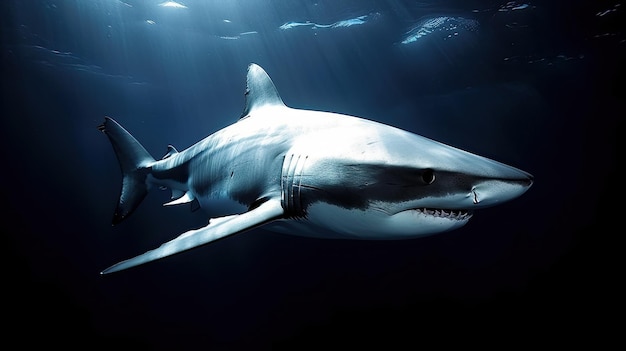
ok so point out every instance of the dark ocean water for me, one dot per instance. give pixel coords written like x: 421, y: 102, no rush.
x: 533, y: 84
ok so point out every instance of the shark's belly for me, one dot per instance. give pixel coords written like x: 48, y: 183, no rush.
x: 325, y: 220
x: 328, y: 221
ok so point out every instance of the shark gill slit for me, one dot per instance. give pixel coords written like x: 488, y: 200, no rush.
x: 282, y: 183
x: 291, y: 179
x: 288, y: 190
x: 298, y: 198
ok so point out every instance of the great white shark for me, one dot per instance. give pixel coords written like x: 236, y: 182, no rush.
x: 312, y: 173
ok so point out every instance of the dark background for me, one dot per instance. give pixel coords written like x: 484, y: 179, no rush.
x: 535, y: 85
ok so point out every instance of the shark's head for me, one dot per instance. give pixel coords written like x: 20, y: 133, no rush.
x: 395, y: 184
x: 441, y: 188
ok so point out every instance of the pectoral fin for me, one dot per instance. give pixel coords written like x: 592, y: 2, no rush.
x: 216, y: 229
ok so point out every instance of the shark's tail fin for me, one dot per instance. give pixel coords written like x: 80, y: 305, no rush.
x: 135, y: 163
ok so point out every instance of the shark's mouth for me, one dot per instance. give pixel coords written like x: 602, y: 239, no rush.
x: 459, y: 215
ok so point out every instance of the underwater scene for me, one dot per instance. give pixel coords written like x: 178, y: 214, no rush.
x: 255, y: 174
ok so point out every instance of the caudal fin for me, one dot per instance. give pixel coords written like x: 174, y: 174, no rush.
x: 135, y: 163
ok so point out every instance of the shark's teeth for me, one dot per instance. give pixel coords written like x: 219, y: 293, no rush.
x: 450, y: 214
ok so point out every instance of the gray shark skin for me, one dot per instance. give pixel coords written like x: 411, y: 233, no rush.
x: 312, y: 173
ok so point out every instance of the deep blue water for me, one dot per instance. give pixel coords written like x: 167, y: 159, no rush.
x: 532, y: 84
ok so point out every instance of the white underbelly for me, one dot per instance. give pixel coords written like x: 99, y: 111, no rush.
x: 328, y: 221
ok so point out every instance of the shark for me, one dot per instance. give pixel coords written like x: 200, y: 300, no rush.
x: 311, y: 173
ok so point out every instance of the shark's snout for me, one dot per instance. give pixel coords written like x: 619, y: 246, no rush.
x: 491, y: 192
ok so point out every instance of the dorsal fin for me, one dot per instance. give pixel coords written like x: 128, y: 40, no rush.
x: 260, y: 90
x: 171, y: 150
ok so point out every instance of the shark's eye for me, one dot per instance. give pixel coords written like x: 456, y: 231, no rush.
x: 428, y: 176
